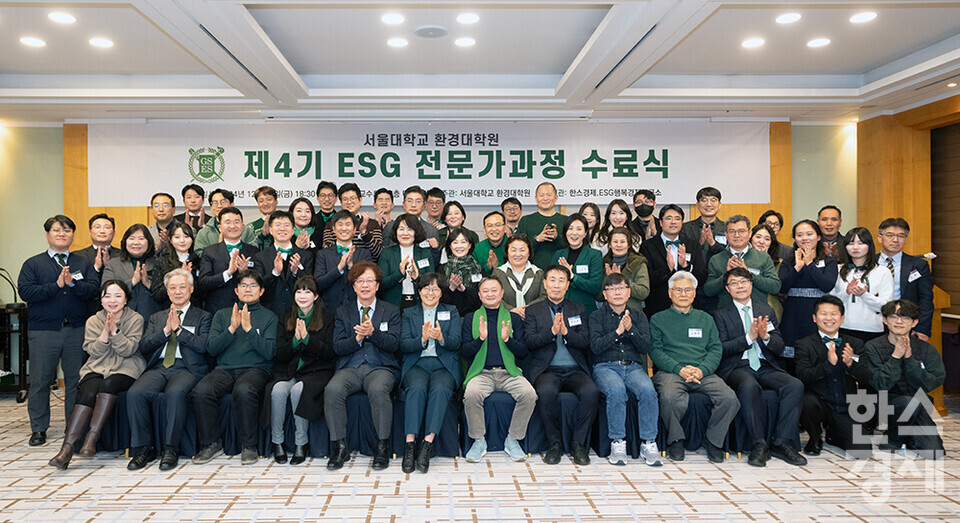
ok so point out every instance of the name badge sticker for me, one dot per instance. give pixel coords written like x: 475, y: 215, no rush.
x: 770, y: 327
x: 250, y: 264
x: 423, y: 263
x: 686, y: 257
x: 694, y: 333
x: 914, y: 276
x: 443, y: 315
x: 754, y: 271
x: 821, y: 264
x: 476, y: 277
x: 79, y: 275
x: 856, y: 358
x: 424, y: 244
x: 582, y: 269
x: 574, y: 321
x: 721, y: 239
x: 384, y: 326
x: 189, y: 328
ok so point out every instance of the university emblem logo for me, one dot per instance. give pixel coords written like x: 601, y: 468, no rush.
x: 206, y: 165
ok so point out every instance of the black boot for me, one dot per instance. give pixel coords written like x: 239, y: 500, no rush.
x: 339, y: 454
x: 409, y: 457
x: 300, y: 453
x: 279, y: 454
x: 423, y: 457
x: 381, y: 459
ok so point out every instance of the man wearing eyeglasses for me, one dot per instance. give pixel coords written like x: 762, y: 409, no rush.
x: 686, y: 350
x: 489, y: 252
x: 164, y: 207
x: 367, y: 234
x: 414, y: 199
x: 222, y: 263
x: 912, y: 280
x: 739, y: 254
x: 210, y: 233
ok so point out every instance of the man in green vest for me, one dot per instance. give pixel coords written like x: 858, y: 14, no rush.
x: 494, y: 368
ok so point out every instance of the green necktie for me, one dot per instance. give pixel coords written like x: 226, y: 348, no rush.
x: 753, y: 355
x: 365, y: 315
x: 170, y: 353
x: 341, y: 249
x: 285, y: 251
x: 61, y: 259
x: 675, y: 243
x: 231, y: 248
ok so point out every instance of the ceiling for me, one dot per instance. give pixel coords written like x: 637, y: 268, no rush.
x: 533, y: 60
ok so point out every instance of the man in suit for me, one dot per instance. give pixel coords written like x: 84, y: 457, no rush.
x: 830, y: 219
x: 222, y: 262
x: 555, y: 331
x: 281, y: 263
x: 174, y: 346
x: 211, y: 233
x: 57, y: 286
x: 830, y: 369
x: 912, y: 280
x: 193, y: 214
x: 164, y: 208
x: 101, y: 249
x: 667, y: 254
x: 707, y: 230
x: 366, y: 337
x: 367, y: 232
x: 414, y: 198
x: 751, y: 346
x: 333, y: 263
x: 738, y: 253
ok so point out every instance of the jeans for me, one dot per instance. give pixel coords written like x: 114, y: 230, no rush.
x: 278, y: 411
x: 614, y: 380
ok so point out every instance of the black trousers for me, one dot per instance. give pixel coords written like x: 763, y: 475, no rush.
x: 918, y: 431
x: 93, y: 384
x: 247, y: 386
x: 840, y: 426
x: 549, y: 384
x: 175, y: 383
x: 749, y: 386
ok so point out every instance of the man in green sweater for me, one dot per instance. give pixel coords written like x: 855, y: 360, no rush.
x: 686, y: 350
x: 489, y: 253
x: 738, y: 253
x: 543, y: 227
x: 244, y: 341
x: 210, y: 233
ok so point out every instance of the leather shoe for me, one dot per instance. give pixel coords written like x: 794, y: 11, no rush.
x: 143, y: 458
x: 279, y: 454
x: 553, y: 454
x: 38, y: 438
x: 409, y: 457
x: 300, y: 453
x: 759, y: 455
x: 787, y: 454
x: 813, y: 447
x: 169, y: 458
x: 714, y: 454
x: 675, y: 451
x: 339, y: 455
x: 423, y: 457
x: 381, y: 459
x: 579, y: 454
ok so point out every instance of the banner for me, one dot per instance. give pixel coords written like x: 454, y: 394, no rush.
x: 475, y: 163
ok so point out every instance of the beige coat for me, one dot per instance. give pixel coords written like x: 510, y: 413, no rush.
x: 118, y: 356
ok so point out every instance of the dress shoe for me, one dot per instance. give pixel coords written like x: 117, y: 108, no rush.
x: 143, y: 458
x: 409, y: 457
x: 338, y: 455
x: 759, y: 455
x: 381, y: 459
x: 579, y: 454
x: 423, y: 456
x: 207, y: 453
x: 675, y: 450
x: 169, y: 458
x: 813, y: 447
x: 714, y: 453
x: 248, y: 456
x: 786, y: 453
x: 279, y: 454
x: 38, y: 438
x: 553, y: 454
x: 300, y: 453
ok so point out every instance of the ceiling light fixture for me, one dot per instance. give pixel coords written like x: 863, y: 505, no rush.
x: 468, y: 18
x: 397, y: 42
x: 952, y: 84
x: 101, y: 42
x: 788, y: 18
x: 860, y: 18
x: 466, y: 41
x: 818, y: 42
x: 392, y: 18
x: 61, y: 18
x: 32, y: 42
x: 750, y: 43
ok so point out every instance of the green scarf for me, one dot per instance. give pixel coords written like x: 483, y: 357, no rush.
x: 296, y: 342
x: 503, y: 315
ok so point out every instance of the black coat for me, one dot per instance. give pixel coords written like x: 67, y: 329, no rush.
x: 811, y: 356
x: 278, y: 290
x: 333, y: 285
x: 215, y: 259
x: 656, y: 254
x: 541, y: 342
x: 193, y: 345
x: 729, y: 321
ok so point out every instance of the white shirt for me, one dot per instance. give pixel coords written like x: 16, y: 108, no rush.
x: 407, y: 280
x: 431, y: 347
x: 673, y: 250
x: 183, y: 314
x: 373, y: 308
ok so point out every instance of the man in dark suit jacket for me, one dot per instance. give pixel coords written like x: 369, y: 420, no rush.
x: 174, y: 346
x: 333, y: 263
x: 57, y: 286
x: 222, y: 262
x: 281, y: 263
x: 193, y: 214
x: 684, y: 256
x: 912, y: 280
x: 556, y: 335
x: 102, y: 230
x: 830, y: 369
x: 366, y: 337
x: 751, y: 345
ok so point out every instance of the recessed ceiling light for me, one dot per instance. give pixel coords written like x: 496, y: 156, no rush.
x: 468, y: 18
x: 32, y: 42
x: 397, y: 42
x: 61, y: 18
x: 952, y: 84
x: 101, y: 42
x: 392, y: 18
x: 818, y: 42
x: 466, y: 41
x: 860, y: 18
x: 752, y: 42
x: 788, y: 18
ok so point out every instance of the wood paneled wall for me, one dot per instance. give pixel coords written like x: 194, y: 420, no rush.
x: 945, y: 176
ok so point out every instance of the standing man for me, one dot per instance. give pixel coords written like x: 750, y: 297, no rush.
x: 280, y: 264
x: 543, y: 227
x: 193, y: 214
x: 489, y: 252
x: 912, y: 280
x: 512, y: 212
x: 436, y: 198
x: 332, y: 264
x: 645, y: 205
x: 666, y: 255
x: 327, y: 199
x: 210, y: 234
x: 829, y: 219
x: 223, y: 262
x: 57, y: 286
x: 101, y: 249
x: 368, y: 233
x: 164, y: 207
x: 738, y: 253
x: 413, y: 203
x: 707, y: 229
x: 383, y: 205
x: 266, y: 197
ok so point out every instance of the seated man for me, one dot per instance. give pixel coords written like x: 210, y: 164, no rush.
x: 620, y: 340
x: 830, y: 369
x: 222, y: 262
x: 494, y: 370
x: 333, y: 263
x: 244, y: 340
x: 751, y: 345
x: 903, y: 365
x: 556, y: 336
x: 281, y: 263
x: 686, y: 350
x: 739, y: 254
x: 175, y: 347
x: 366, y: 337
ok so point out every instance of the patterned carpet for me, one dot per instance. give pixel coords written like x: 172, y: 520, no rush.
x: 887, y: 487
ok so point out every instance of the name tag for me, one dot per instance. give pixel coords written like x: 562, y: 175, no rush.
x: 914, y: 276
x: 422, y: 263
x: 424, y: 244
x: 770, y: 327
x: 582, y: 269
x: 300, y: 266
x: 443, y: 315
x: 694, y: 333
x: 189, y: 328
x: 313, y: 245
x: 855, y: 358
x: 574, y: 321
x: 79, y: 275
x: 686, y: 256
x: 821, y: 264
x: 258, y: 332
x: 722, y: 240
x: 922, y: 366
x: 475, y: 278
x: 754, y: 271
x: 384, y: 326
x: 250, y: 264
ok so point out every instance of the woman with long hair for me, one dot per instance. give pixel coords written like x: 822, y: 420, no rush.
x: 618, y: 215
x: 591, y: 212
x: 179, y: 254
x: 763, y: 239
x: 462, y: 273
x: 863, y: 285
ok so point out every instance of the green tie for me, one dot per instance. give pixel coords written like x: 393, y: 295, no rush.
x: 170, y: 353
x: 890, y: 267
x: 365, y: 315
x: 61, y: 259
x: 341, y: 249
x: 753, y: 355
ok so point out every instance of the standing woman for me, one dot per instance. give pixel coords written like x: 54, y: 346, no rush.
x: 430, y: 343
x: 179, y: 255
x: 591, y: 212
x: 111, y: 341
x: 306, y: 234
x: 133, y: 267
x: 775, y: 221
x: 453, y: 216
x: 809, y: 275
x: 618, y: 215
x: 404, y: 260
x: 522, y: 281
x: 622, y: 259
x: 862, y: 285
x: 462, y: 273
x: 764, y: 239
x: 304, y: 363
x: 584, y: 263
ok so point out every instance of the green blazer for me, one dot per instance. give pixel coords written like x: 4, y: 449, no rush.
x: 765, y: 278
x: 391, y: 290
x: 587, y: 276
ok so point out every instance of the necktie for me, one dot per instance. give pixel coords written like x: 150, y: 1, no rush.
x: 890, y: 267
x: 675, y: 243
x: 285, y: 251
x: 365, y: 315
x: 231, y: 248
x: 740, y: 255
x: 828, y: 339
x: 341, y: 249
x: 170, y: 353
x: 61, y: 259
x: 753, y: 355
x: 857, y: 267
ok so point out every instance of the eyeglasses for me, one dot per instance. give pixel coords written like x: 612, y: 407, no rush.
x: 326, y: 196
x: 683, y: 290
x: 737, y: 283
x: 737, y: 232
x: 161, y: 206
x: 58, y: 230
x: 431, y: 289
x: 511, y: 208
x: 709, y: 199
x: 616, y: 288
x: 248, y: 285
x: 220, y: 202
x: 891, y: 235
x: 349, y: 199
x: 365, y: 281
x: 896, y: 317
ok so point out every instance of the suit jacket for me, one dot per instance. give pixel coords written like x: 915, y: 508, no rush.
x: 220, y: 294
x: 278, y: 290
x: 50, y: 306
x: 811, y: 366
x: 659, y: 272
x: 411, y: 341
x: 386, y: 341
x: 729, y: 321
x: 331, y: 283
x: 542, y: 343
x: 193, y: 345
x: 692, y: 229
x: 392, y: 288
x: 920, y: 290
x: 141, y: 298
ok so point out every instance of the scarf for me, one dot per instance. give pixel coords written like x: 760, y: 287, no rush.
x: 503, y: 315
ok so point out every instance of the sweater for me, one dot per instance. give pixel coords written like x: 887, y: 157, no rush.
x: 120, y: 355
x: 680, y: 339
x: 924, y: 370
x: 532, y: 225
x: 244, y: 349
x: 862, y: 313
x: 482, y: 251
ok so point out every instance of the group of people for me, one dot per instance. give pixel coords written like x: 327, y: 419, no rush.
x: 306, y: 306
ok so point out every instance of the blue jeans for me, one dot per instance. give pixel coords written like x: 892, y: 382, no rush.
x: 613, y: 380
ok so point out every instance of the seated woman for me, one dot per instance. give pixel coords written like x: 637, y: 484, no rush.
x: 763, y: 239
x: 462, y: 272
x: 133, y: 267
x: 178, y: 255
x: 404, y: 260
x: 111, y: 341
x: 430, y: 342
x: 306, y: 234
x: 584, y: 263
x: 303, y: 365
x: 622, y: 259
x: 862, y: 285
x: 522, y: 281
